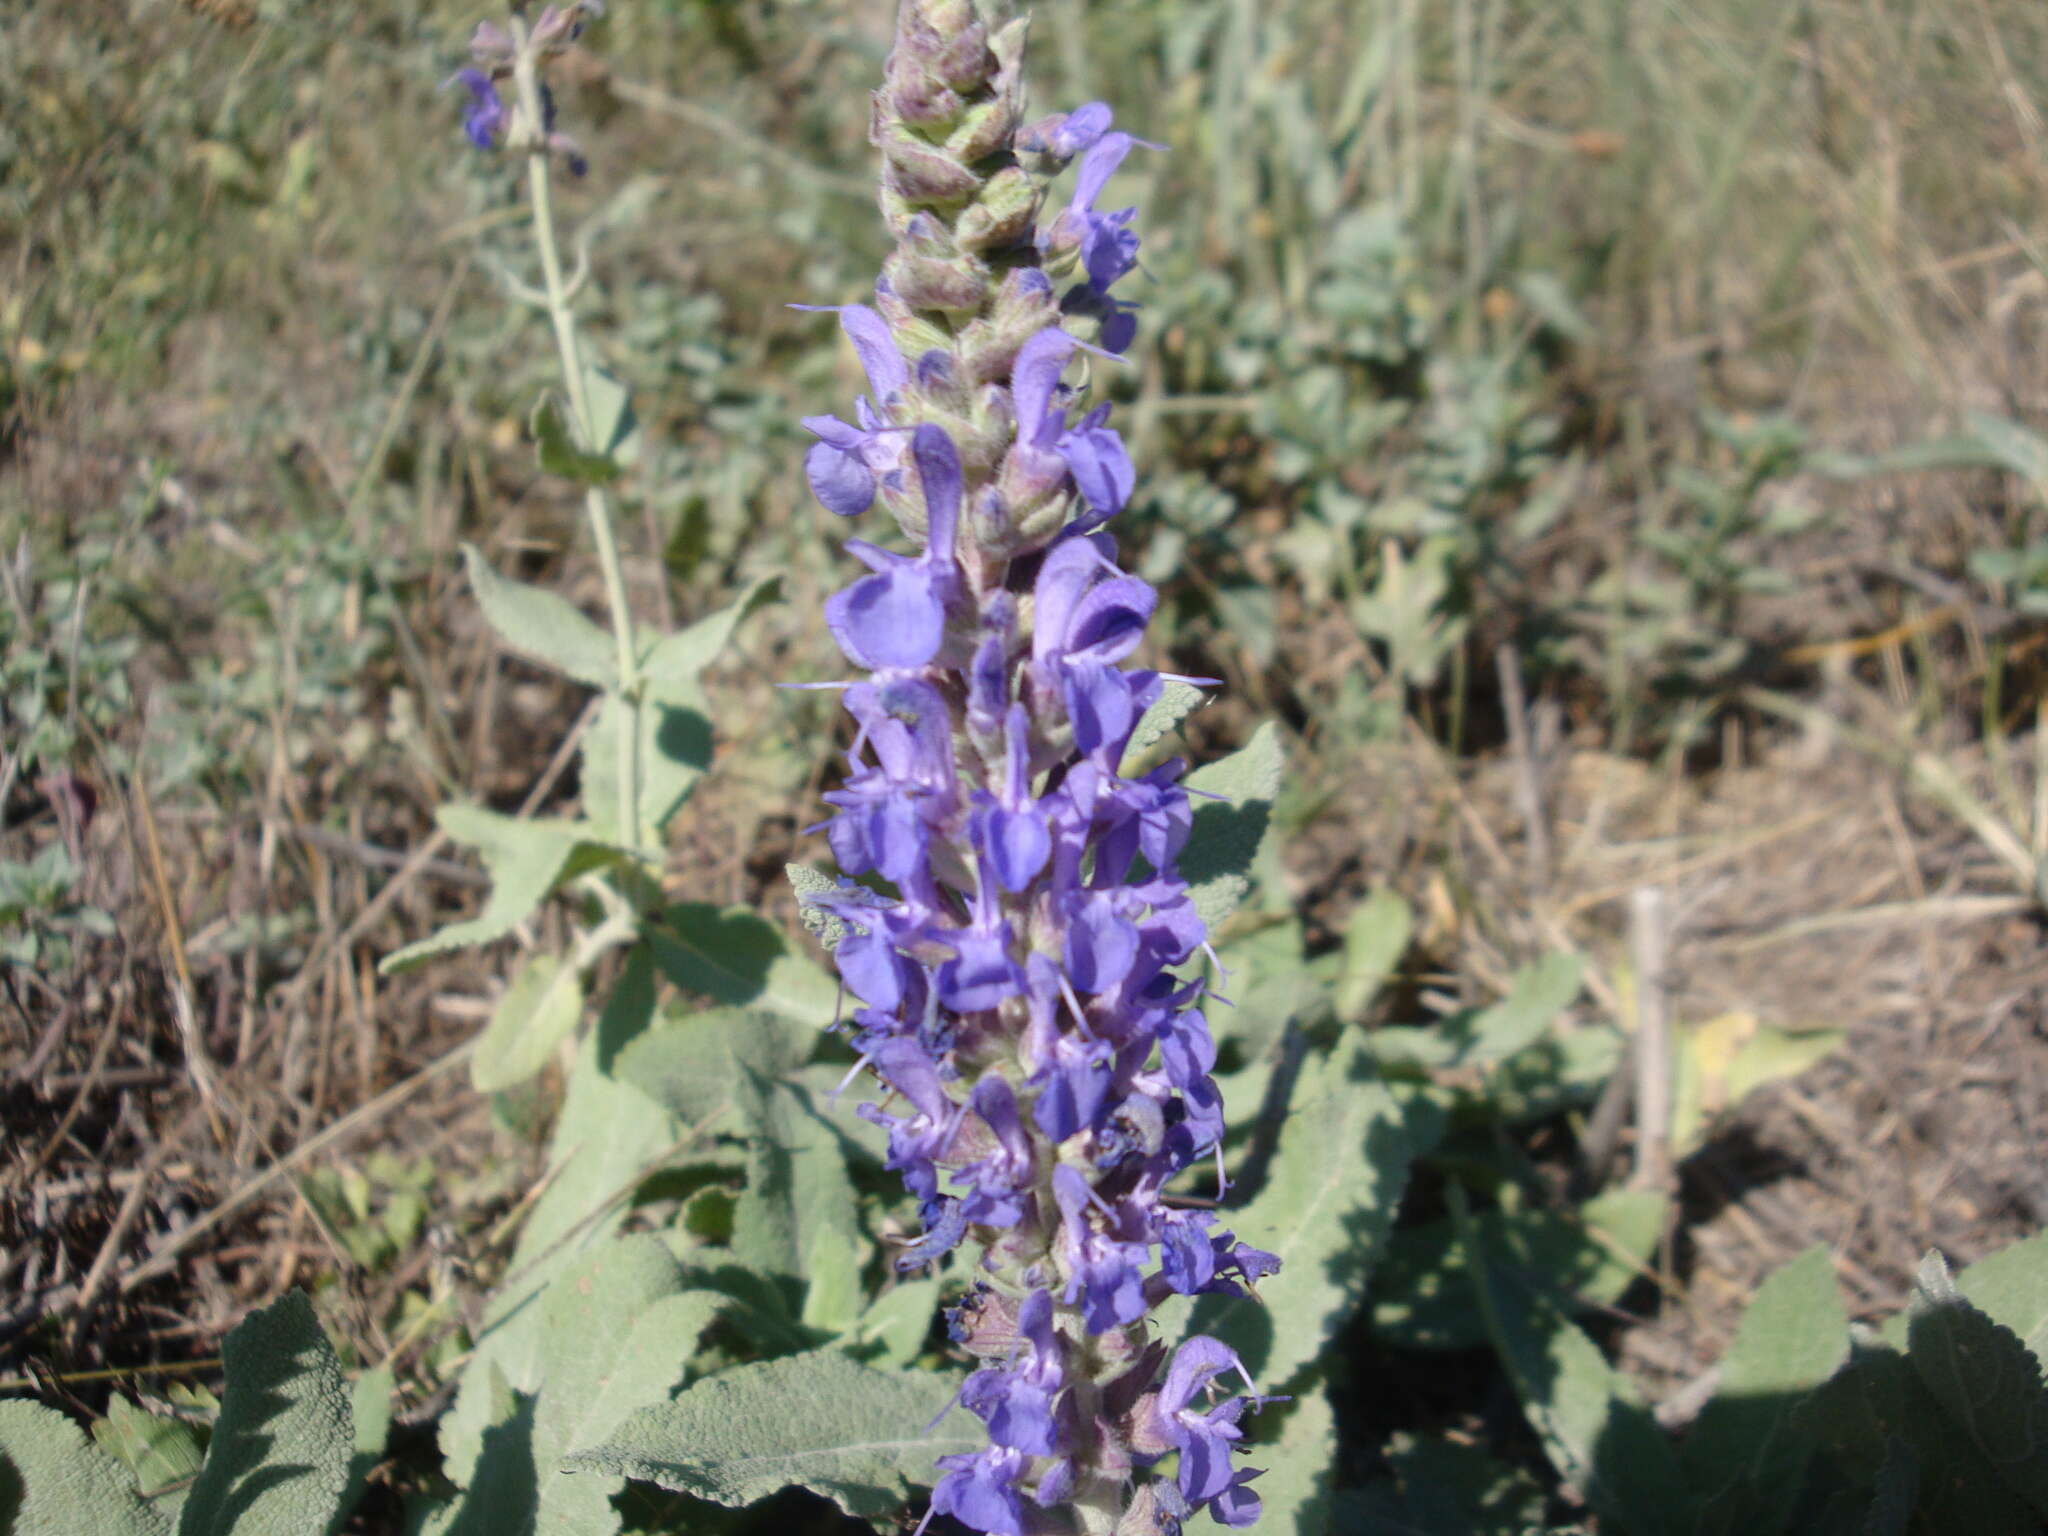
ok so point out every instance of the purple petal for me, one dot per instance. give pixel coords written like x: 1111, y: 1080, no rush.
x: 1019, y: 844
x: 1236, y: 1505
x: 1099, y: 703
x: 1069, y: 570
x: 1033, y: 378
x: 1101, y: 947
x: 840, y: 481
x: 1109, y: 622
x: 893, y: 619
x: 938, y: 468
x: 869, y: 332
x: 1098, y: 166
x: 1102, y: 469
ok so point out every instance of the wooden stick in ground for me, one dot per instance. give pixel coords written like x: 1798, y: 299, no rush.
x: 1650, y: 942
x: 1528, y: 783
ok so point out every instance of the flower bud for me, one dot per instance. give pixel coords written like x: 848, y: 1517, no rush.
x: 984, y: 128
x: 956, y: 286
x: 922, y: 173
x: 1002, y: 214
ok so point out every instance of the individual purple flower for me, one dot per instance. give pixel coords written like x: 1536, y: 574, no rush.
x: 1204, y: 1437
x: 846, y: 461
x: 895, y: 619
x: 980, y: 1490
x: 485, y: 119
x: 1047, y: 449
x: 1107, y: 244
x: 1016, y: 1400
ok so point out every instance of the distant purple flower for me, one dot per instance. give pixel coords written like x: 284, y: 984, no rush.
x: 1090, y: 451
x: 485, y: 118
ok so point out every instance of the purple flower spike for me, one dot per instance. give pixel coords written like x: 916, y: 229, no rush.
x: 1024, y: 963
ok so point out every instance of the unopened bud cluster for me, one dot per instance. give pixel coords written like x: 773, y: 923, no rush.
x: 494, y: 120
x: 1016, y: 954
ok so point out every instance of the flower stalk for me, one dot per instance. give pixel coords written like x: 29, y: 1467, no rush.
x: 519, y: 52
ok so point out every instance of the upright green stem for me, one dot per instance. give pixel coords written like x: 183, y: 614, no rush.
x: 596, y: 505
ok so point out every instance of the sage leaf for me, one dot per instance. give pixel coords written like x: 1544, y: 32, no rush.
x: 1329, y: 1198
x: 821, y: 1421
x: 1295, y: 1445
x: 1373, y: 942
x: 278, y: 1463
x: 56, y: 1482
x: 1177, y: 700
x: 542, y: 626
x: 1747, y: 1449
x: 735, y: 956
x: 1597, y: 1434
x: 672, y: 664
x: 1224, y: 839
x: 554, y: 442
x: 526, y: 859
x: 161, y: 1452
x: 539, y: 1009
x: 798, y: 1215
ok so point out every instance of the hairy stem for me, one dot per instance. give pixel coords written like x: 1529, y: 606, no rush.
x: 596, y: 505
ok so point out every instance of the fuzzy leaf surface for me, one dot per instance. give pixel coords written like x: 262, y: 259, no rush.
x: 55, y: 1482
x: 278, y: 1463
x: 539, y: 1009
x: 1980, y: 1372
x: 1597, y: 1434
x: 1748, y: 1449
x: 1295, y: 1444
x: 1422, y: 1298
x: 1176, y: 701
x: 820, y: 1421
x: 799, y: 1215
x: 736, y: 957
x: 526, y: 859
x: 1327, y: 1203
x: 1223, y: 843
x: 542, y: 626
x: 1373, y: 941
x: 162, y: 1452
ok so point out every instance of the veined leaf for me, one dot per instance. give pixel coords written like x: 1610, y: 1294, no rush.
x: 542, y: 626
x: 608, y: 1136
x: 820, y: 1421
x: 1177, y: 700
x: 2010, y: 1287
x: 1298, y: 1456
x: 894, y: 1327
x: 539, y: 1009
x: 555, y: 444
x: 161, y: 1452
x: 619, y: 1332
x: 691, y: 1066
x: 798, y: 1215
x: 56, y: 1482
x: 735, y: 956
x: 526, y: 859
x: 1422, y: 1297
x: 1223, y: 843
x: 1747, y: 1449
x: 1328, y: 1201
x: 1373, y: 942
x: 1598, y: 1436
x: 1485, y: 1036
x: 278, y: 1463
x: 1980, y: 1372
x: 672, y: 664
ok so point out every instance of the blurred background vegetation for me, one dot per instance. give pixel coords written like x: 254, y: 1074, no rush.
x: 1605, y: 433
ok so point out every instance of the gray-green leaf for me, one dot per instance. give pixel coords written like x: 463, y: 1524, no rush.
x: 1794, y: 1336
x: 526, y: 859
x: 542, y: 626
x: 56, y: 1482
x: 278, y: 1464
x: 820, y: 1421
x: 1223, y: 842
x: 539, y: 1009
x: 1328, y: 1201
x: 736, y: 957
